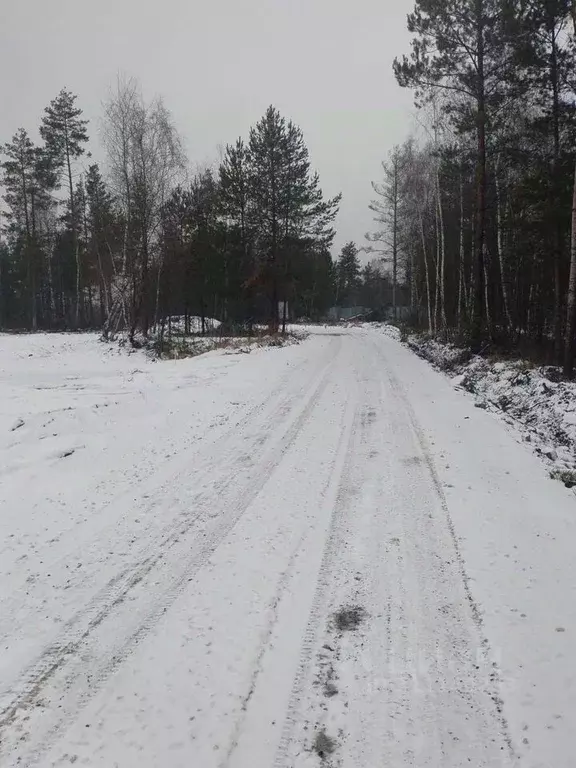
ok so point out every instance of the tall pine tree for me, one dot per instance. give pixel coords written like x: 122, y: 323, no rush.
x: 65, y: 134
x: 348, y: 273
x: 461, y: 48
x: 288, y: 201
x: 28, y: 178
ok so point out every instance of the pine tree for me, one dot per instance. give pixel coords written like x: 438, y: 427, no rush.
x: 316, y: 284
x: 103, y: 235
x: 545, y: 60
x: 19, y: 171
x: 287, y: 199
x: 348, y: 273
x: 461, y: 48
x: 267, y: 176
x: 228, y: 246
x: 236, y: 206
x: 65, y: 133
x: 205, y: 256
x: 28, y: 178
x: 235, y: 191
x: 387, y: 209
x: 570, y: 332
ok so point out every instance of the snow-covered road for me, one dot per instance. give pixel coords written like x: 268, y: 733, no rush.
x: 307, y: 557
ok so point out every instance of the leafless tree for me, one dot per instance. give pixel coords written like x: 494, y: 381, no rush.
x: 145, y: 160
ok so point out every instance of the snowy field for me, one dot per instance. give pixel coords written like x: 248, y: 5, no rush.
x: 317, y: 556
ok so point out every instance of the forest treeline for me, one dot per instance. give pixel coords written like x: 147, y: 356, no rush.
x: 475, y: 235
x: 125, y: 247
x: 478, y: 218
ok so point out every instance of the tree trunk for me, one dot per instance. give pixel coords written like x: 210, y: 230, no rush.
x: 413, y: 288
x: 461, y: 260
x: 437, y: 270
x: 557, y: 225
x: 274, y: 305
x: 395, y: 243
x: 76, y: 239
x: 32, y: 263
x: 442, y: 252
x: 571, y: 300
x: 49, y: 256
x: 485, y: 262
x: 104, y: 295
x: 90, y: 306
x: 158, y: 282
x: 427, y: 273
x: 143, y: 309
x: 103, y: 311
x: 284, y: 315
x: 395, y: 274
x: 202, y: 307
x: 29, y: 253
x: 500, y: 245
x: 479, y: 270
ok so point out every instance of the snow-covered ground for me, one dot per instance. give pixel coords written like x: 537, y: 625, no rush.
x: 307, y: 557
x: 535, y: 401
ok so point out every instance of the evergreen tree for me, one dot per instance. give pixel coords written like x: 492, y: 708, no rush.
x: 376, y: 290
x: 348, y: 275
x: 19, y: 170
x: 234, y: 185
x: 103, y: 235
x: 462, y: 48
x: 315, y: 291
x: 237, y: 209
x: 545, y: 60
x: 229, y: 245
x: 65, y: 133
x: 28, y: 179
x: 206, y: 263
x: 287, y: 199
x: 387, y: 210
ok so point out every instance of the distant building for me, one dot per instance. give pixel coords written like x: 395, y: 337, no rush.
x: 402, y: 313
x: 336, y: 314
x: 345, y: 313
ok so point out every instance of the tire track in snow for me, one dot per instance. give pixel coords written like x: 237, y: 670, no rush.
x: 273, y: 651
x: 51, y: 668
x: 266, y: 637
x: 475, y: 610
x: 153, y: 490
x: 277, y: 406
x: 425, y: 716
x: 336, y: 498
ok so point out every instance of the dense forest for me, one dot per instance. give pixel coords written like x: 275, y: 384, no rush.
x: 478, y: 217
x: 129, y: 246
x: 475, y: 220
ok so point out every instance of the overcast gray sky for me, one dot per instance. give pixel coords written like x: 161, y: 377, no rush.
x: 326, y: 64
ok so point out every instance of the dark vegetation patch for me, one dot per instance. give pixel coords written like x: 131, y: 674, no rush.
x: 324, y: 745
x: 349, y: 618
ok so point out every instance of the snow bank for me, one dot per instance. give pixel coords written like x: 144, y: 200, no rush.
x: 390, y: 330
x: 175, y: 349
x: 534, y: 400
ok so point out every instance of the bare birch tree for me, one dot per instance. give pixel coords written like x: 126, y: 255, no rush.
x: 145, y: 158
